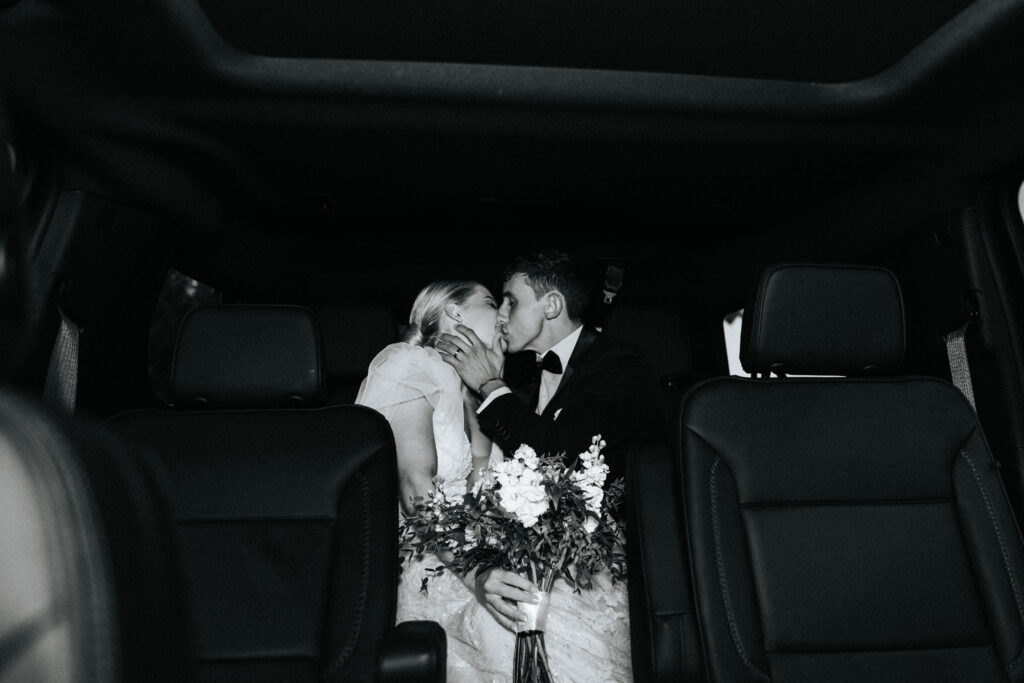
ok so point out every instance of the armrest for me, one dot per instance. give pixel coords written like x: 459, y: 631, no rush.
x: 666, y: 642
x: 413, y: 652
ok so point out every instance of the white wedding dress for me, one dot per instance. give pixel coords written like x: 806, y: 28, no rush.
x: 587, y: 634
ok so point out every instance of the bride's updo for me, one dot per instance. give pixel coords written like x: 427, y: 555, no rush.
x: 427, y: 309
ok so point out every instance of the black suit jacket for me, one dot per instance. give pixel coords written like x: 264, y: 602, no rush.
x: 608, y: 388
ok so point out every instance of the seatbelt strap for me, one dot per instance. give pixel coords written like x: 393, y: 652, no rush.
x: 61, y: 388
x: 959, y: 369
x: 613, y: 275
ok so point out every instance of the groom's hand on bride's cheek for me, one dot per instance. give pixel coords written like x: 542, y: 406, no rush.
x: 491, y: 359
x: 499, y: 591
x: 472, y: 359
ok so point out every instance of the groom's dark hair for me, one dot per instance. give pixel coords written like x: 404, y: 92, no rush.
x: 552, y: 270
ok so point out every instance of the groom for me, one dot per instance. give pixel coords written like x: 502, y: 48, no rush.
x: 589, y: 383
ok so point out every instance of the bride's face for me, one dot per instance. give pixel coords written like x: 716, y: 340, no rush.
x: 480, y: 314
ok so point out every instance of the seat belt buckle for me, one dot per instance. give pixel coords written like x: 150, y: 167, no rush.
x: 612, y: 282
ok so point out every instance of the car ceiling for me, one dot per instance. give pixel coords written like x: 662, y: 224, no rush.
x: 798, y: 40
x: 748, y: 131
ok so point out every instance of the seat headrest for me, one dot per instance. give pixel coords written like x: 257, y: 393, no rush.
x: 814, y: 319
x: 242, y: 356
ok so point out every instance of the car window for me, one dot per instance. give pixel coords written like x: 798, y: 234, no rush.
x: 731, y: 326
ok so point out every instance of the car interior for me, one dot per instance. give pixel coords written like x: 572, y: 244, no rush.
x: 809, y: 217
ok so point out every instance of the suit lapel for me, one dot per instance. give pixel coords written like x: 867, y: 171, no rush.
x: 587, y: 337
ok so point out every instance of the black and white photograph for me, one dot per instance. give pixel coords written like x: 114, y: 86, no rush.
x: 511, y: 341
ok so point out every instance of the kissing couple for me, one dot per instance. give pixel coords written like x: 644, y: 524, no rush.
x: 443, y: 391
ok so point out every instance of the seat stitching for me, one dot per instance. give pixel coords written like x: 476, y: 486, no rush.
x: 844, y: 503
x: 354, y: 633
x: 723, y: 589
x: 1012, y: 666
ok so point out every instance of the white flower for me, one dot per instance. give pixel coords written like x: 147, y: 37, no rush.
x: 527, y: 456
x: 594, y: 497
x: 521, y: 487
x: 444, y: 495
x: 486, y: 480
x: 592, y: 475
x: 590, y: 479
x: 591, y: 483
x: 526, y: 499
x: 508, y: 470
x: 592, y: 458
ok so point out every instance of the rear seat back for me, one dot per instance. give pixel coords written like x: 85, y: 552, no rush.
x: 663, y: 337
x: 660, y: 333
x: 851, y: 528
x: 284, y: 510
x: 352, y: 334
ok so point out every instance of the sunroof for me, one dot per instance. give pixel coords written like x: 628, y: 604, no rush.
x: 806, y: 40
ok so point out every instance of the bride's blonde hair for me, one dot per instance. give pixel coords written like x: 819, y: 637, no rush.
x: 427, y: 309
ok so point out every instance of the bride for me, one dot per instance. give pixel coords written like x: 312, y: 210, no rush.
x: 433, y: 418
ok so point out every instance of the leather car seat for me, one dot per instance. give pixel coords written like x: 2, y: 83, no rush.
x: 848, y: 528
x: 285, y: 511
x: 851, y: 527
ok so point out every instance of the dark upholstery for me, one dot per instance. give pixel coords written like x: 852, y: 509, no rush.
x: 414, y: 652
x: 842, y: 529
x: 663, y: 337
x: 824, y: 320
x: 659, y: 332
x: 252, y: 356
x: 351, y: 335
x: 287, y: 521
x: 286, y: 518
x: 849, y: 530
x: 664, y: 638
x: 155, y: 633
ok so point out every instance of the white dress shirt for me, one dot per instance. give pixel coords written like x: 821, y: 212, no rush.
x: 548, y: 381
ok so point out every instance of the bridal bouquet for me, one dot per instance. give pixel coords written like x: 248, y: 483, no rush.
x: 530, y: 514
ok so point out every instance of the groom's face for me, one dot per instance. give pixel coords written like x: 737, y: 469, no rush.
x: 521, y: 316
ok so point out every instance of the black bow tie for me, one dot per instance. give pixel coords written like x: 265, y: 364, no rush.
x: 550, y: 362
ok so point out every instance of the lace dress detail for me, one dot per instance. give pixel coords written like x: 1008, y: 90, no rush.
x: 587, y: 634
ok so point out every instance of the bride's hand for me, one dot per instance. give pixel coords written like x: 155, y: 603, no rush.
x: 498, y: 591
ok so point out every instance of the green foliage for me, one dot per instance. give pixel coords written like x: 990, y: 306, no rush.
x: 532, y: 514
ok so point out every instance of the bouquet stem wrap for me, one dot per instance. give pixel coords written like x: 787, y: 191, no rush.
x: 531, y: 657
